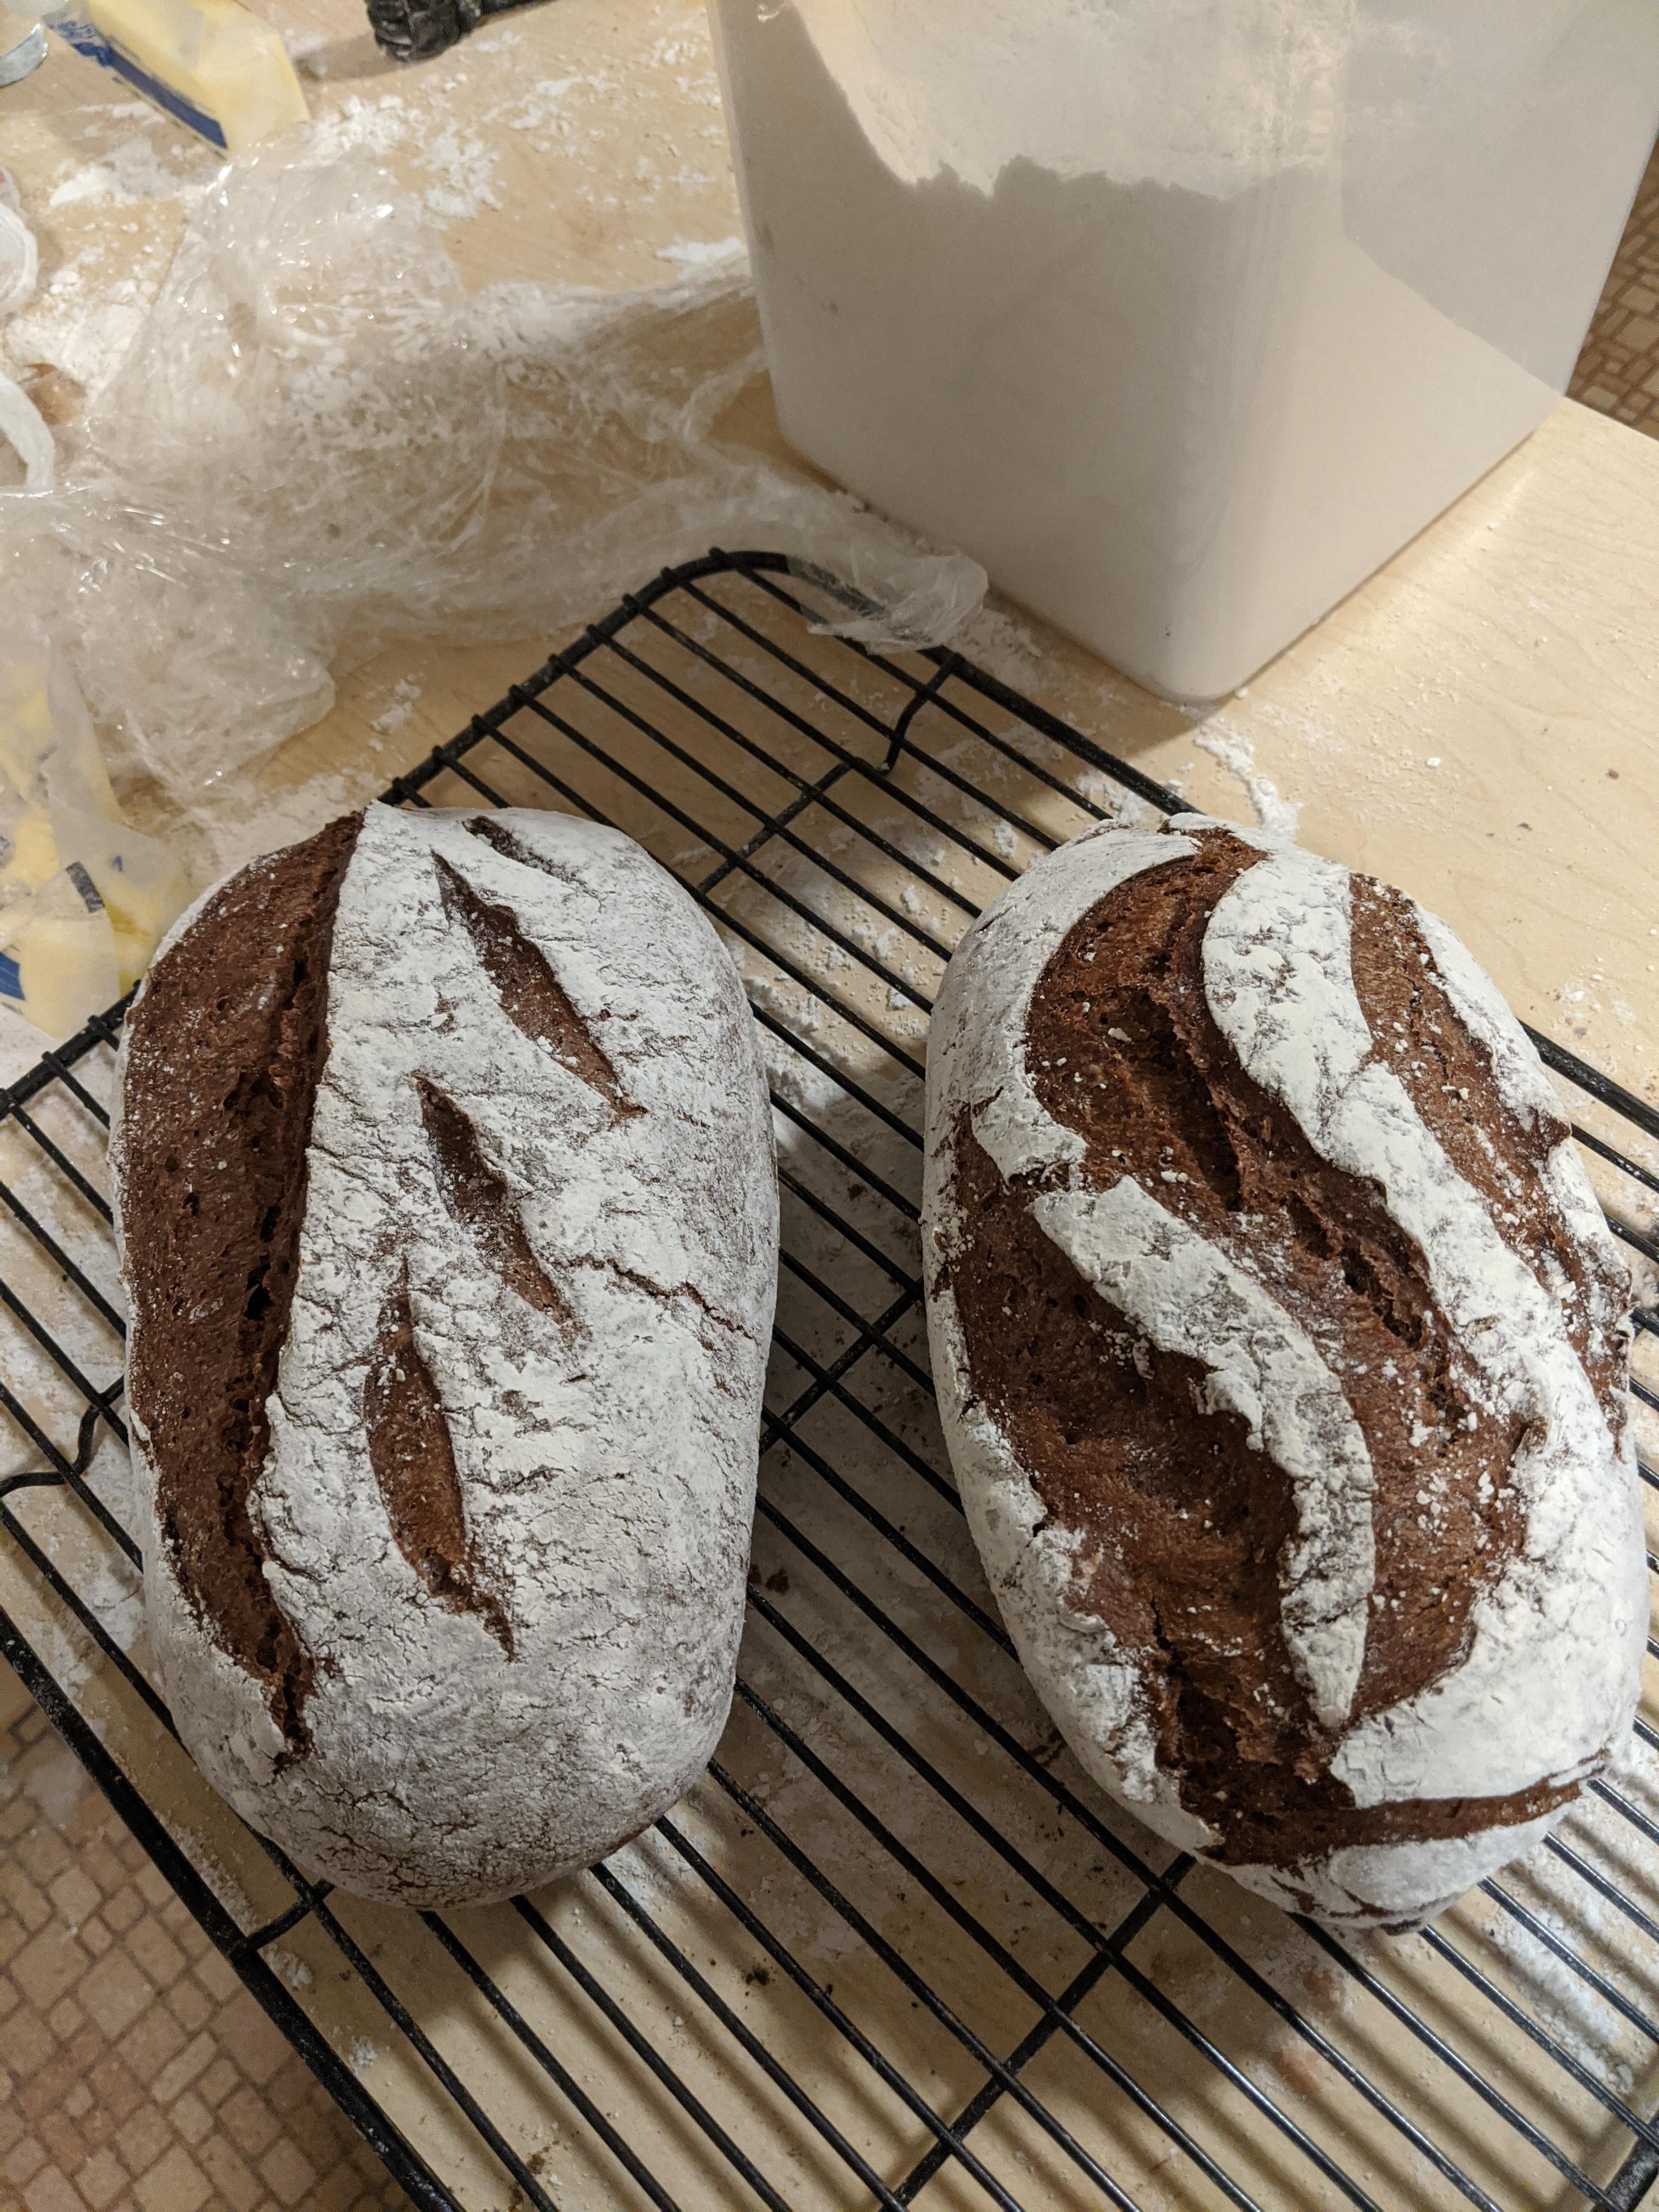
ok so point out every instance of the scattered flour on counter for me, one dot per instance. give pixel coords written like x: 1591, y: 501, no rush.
x: 361, y: 126
x: 111, y: 1590
x: 81, y: 326
x: 1228, y: 745
x: 1004, y: 642
x: 131, y: 173
x: 464, y: 170
x: 701, y: 253
x: 287, y: 1969
x: 676, y: 53
x: 406, y: 693
x: 543, y: 106
x: 308, y: 52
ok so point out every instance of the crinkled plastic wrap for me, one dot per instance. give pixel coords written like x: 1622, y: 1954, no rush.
x: 20, y: 257
x: 319, y: 442
x: 21, y: 426
x: 84, y: 899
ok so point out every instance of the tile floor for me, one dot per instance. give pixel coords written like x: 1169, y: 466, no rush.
x: 1619, y: 369
x: 136, y: 2075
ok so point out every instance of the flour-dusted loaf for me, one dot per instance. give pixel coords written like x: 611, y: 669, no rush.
x: 1280, y: 1345
x: 448, y: 1214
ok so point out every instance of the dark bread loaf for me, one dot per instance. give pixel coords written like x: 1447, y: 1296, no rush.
x: 1280, y: 1344
x: 445, y: 1188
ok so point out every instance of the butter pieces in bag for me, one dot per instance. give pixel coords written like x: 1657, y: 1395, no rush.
x: 84, y: 900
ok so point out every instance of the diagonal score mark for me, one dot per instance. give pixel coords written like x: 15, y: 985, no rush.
x: 532, y: 998
x: 412, y: 1454
x: 478, y: 1198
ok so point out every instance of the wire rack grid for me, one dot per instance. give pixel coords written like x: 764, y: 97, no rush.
x: 894, y: 1949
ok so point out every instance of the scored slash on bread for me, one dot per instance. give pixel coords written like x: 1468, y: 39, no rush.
x: 1280, y: 1350
x: 448, y: 1215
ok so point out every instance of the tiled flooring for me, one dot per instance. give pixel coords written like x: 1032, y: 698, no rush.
x: 1619, y: 369
x: 136, y: 2075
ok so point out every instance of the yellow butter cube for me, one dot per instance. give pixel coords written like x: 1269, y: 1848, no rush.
x: 60, y: 970
x: 33, y: 852
x: 224, y: 64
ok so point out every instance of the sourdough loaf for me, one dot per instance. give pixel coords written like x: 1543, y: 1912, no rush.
x: 1279, y: 1345
x: 448, y: 1216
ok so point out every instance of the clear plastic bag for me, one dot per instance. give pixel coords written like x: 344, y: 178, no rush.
x: 20, y: 425
x: 20, y: 256
x: 319, y: 442
x: 84, y: 899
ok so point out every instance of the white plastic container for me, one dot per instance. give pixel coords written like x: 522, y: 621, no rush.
x: 1179, y: 315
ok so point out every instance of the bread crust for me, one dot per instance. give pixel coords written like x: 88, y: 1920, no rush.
x: 446, y: 1586
x: 1280, y: 1345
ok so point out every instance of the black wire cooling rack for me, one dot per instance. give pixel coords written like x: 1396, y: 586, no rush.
x: 893, y: 1950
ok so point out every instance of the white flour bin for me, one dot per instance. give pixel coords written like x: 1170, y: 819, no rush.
x: 1179, y: 315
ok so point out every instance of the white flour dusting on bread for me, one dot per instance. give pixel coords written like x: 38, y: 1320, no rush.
x: 1280, y: 1345
x: 535, y: 1274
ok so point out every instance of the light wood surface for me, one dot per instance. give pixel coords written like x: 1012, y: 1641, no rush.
x: 1477, y: 724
